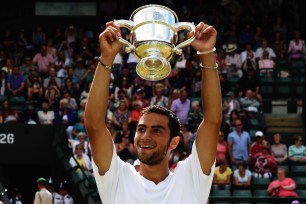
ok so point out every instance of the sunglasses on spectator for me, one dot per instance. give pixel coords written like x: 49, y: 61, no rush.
x: 238, y: 124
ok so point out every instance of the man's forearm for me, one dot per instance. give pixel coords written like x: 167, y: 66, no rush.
x: 97, y: 103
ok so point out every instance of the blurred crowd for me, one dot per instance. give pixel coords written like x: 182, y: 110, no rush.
x: 52, y: 74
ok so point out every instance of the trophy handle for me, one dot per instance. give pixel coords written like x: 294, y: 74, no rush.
x: 184, y: 26
x: 129, y: 25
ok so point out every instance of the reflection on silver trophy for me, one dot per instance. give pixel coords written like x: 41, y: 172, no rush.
x: 153, y: 38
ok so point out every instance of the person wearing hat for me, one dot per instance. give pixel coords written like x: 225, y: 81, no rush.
x: 232, y: 61
x: 62, y: 195
x: 229, y: 105
x: 42, y: 196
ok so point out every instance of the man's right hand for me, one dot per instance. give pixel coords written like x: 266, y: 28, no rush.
x: 109, y: 41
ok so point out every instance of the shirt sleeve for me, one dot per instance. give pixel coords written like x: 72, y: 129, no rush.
x: 107, y: 183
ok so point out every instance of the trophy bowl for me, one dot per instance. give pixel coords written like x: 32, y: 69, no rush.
x: 153, y: 38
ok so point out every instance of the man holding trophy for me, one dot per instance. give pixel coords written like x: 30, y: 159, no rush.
x: 157, y: 133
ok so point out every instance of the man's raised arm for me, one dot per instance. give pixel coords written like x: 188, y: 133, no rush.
x: 208, y: 131
x: 97, y: 104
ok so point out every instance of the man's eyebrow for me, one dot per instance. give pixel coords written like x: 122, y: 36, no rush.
x: 154, y: 126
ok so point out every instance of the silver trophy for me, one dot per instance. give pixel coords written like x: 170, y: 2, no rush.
x: 153, y: 38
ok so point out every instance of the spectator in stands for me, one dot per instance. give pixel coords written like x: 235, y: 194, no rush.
x: 65, y: 116
x: 264, y: 165
x: 279, y: 150
x: 45, y: 114
x: 110, y: 127
x: 72, y: 102
x: 8, y: 115
x: 259, y: 143
x: 43, y: 61
x: 220, y: 59
x: 87, y: 77
x: 3, y: 81
x: 82, y: 108
x: 159, y: 98
x: 229, y: 104
x: 121, y: 114
x: 35, y: 91
x: 42, y: 196
x: 297, y: 151
x: 239, y: 145
x: 140, y: 95
x: 137, y: 107
x: 147, y: 89
x: 232, y: 61
x: 242, y: 176
x: 84, y: 48
x: 283, y: 186
x: 81, y: 138
x: 71, y: 35
x: 123, y: 85
x: 61, y: 63
x: 234, y: 115
x: 125, y: 144
x: 16, y: 83
x: 27, y: 66
x: 38, y: 36
x: 249, y: 81
x: 188, y: 137
x: 266, y: 65
x: 195, y: 116
x: 250, y: 104
x: 52, y: 79
x: 177, y: 80
x: 264, y: 47
x: 53, y: 96
x: 51, y: 49
x: 196, y: 84
x: 222, y: 176
x: 181, y: 106
x: 74, y: 78
x: 296, y: 48
x: 248, y: 53
x: 78, y: 126
x: 63, y: 197
x: 71, y: 88
x: 249, y: 63
x: 81, y: 161
x: 222, y: 148
x: 79, y: 68
x: 121, y: 96
x: 85, y: 92
x: 279, y: 45
x: 174, y: 94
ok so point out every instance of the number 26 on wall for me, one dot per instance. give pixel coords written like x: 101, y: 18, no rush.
x: 8, y: 138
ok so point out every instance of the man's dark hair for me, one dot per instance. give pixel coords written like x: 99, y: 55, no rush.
x: 174, y: 123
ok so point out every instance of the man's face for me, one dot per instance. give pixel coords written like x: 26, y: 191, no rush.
x: 152, y: 138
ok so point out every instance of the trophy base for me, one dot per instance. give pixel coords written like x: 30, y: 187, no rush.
x: 153, y: 68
